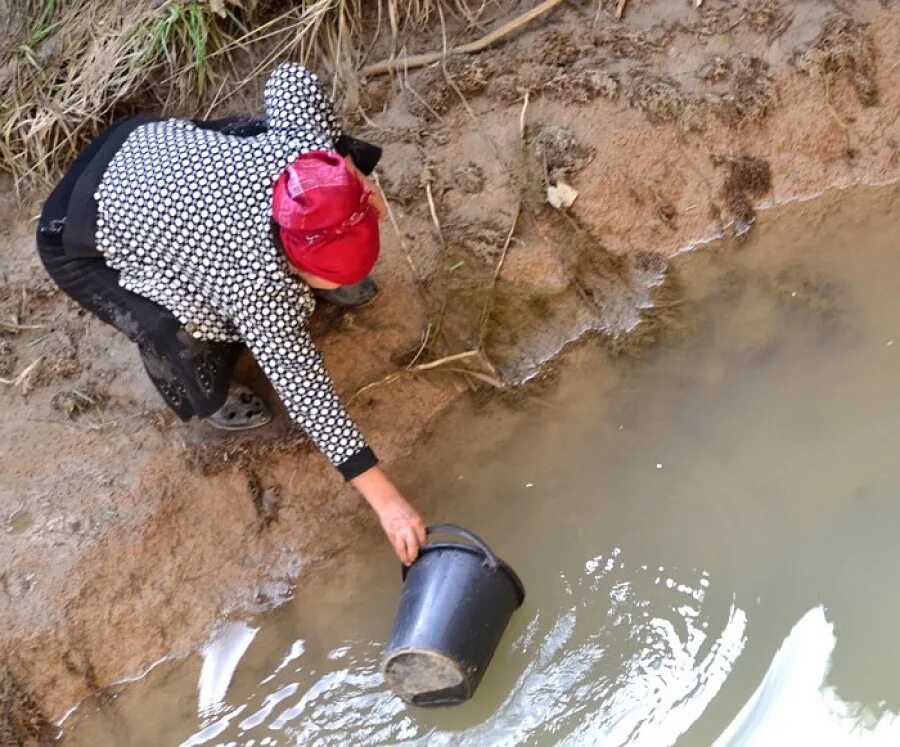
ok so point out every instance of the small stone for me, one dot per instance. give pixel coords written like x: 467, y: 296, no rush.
x: 561, y: 195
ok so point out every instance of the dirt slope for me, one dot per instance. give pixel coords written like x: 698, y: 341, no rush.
x: 126, y: 534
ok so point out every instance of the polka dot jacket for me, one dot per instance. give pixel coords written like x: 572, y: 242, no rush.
x: 185, y: 216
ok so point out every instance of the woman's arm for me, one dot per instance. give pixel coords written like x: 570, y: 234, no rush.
x: 403, y: 526
x: 266, y: 315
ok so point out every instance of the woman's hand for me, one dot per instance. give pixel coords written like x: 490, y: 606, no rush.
x: 403, y: 526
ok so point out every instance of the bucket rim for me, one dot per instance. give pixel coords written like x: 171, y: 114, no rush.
x: 501, y: 564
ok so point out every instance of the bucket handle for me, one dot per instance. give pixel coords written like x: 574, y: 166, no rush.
x: 490, y: 560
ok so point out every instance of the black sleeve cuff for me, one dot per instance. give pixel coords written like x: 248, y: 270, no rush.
x: 243, y: 125
x: 365, y: 155
x: 362, y: 460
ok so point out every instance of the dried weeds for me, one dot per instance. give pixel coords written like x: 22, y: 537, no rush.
x: 747, y: 174
x: 843, y: 46
x: 557, y: 150
x: 713, y: 21
x: 714, y: 70
x: 22, y: 720
x: 624, y: 43
x: 767, y: 17
x: 60, y: 358
x: 582, y: 86
x: 483, y: 240
x: 468, y: 178
x: 557, y: 48
x: 8, y: 358
x: 211, y: 457
x: 435, y: 92
x: 266, y: 501
x: 659, y: 97
x: 747, y: 177
x: 72, y: 402
x: 752, y: 92
x: 68, y: 69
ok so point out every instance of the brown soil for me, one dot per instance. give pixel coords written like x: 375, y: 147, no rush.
x: 126, y: 533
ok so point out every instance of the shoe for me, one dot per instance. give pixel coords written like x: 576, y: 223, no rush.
x: 350, y: 296
x: 243, y: 410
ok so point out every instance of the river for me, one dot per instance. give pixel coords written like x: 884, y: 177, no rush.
x: 707, y: 531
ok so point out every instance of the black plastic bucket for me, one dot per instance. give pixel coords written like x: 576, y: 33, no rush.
x: 457, y: 600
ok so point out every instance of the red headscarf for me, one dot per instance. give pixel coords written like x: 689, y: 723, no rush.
x: 325, y: 221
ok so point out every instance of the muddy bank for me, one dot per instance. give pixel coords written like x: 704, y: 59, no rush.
x: 126, y: 534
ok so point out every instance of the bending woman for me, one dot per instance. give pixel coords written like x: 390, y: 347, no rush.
x: 196, y: 239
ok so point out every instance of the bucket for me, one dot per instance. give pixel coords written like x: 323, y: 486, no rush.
x: 456, y: 603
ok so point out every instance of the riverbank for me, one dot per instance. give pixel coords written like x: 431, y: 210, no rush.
x: 126, y: 535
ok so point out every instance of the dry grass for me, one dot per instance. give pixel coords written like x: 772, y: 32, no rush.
x: 22, y: 721
x: 659, y: 97
x: 74, y: 66
x: 843, y: 46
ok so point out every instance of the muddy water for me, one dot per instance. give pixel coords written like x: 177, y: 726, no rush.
x: 707, y: 531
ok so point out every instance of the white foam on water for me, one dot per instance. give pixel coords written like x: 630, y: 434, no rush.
x: 221, y: 657
x: 272, y: 700
x: 210, y: 732
x: 793, y: 705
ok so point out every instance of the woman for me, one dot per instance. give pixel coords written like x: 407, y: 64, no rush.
x: 196, y: 238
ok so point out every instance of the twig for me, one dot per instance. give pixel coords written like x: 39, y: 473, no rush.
x: 489, y: 304
x: 13, y: 327
x: 831, y: 110
x: 23, y: 380
x: 396, y: 226
x: 422, y: 347
x: 420, y: 60
x: 423, y: 102
x: 38, y: 341
x: 395, y: 375
x: 431, y: 207
x: 389, y: 379
x: 496, y: 383
x: 522, y: 115
x: 93, y: 427
x: 64, y: 423
x: 215, y: 99
x: 442, y: 361
x: 489, y: 364
x: 447, y: 76
x: 737, y: 23
x: 620, y: 9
